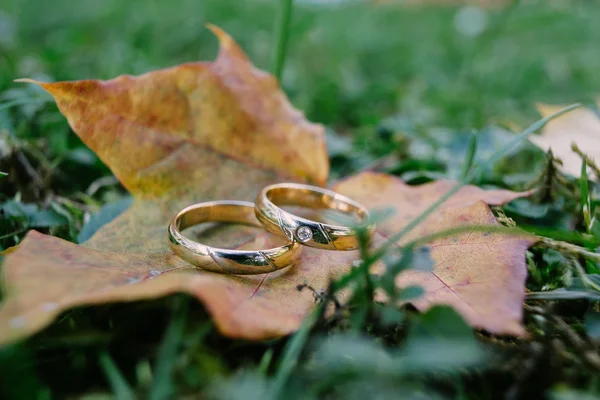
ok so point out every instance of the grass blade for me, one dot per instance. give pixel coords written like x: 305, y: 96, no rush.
x: 163, y: 384
x: 282, y: 32
x: 586, y: 201
x: 470, y: 156
x: 290, y: 356
x: 265, y: 361
x: 116, y: 380
x: 19, y: 102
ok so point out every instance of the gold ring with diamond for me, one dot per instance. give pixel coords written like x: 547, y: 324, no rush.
x: 240, y: 262
x: 307, y: 232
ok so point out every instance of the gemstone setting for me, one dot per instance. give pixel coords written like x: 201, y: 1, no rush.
x: 304, y: 234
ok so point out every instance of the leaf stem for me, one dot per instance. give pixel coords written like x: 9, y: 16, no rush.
x: 282, y: 30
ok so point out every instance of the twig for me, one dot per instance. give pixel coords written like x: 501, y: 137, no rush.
x: 321, y: 296
x: 573, y: 251
x: 70, y: 203
x: 503, y: 219
x: 569, y: 248
x: 99, y: 183
x: 35, y: 177
x: 587, y: 282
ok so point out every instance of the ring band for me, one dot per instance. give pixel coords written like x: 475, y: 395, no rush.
x: 307, y: 232
x: 241, y: 262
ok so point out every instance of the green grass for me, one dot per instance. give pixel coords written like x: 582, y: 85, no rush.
x: 390, y: 82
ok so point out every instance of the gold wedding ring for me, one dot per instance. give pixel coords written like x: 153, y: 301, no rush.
x: 241, y: 262
x: 307, y: 232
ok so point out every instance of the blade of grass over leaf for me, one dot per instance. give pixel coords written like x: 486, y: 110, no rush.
x: 357, y: 273
x: 469, y: 177
x: 423, y: 240
x: 578, y: 238
x: 163, y: 386
x: 116, y: 380
x: 282, y: 32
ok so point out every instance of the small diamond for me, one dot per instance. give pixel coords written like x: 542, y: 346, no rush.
x: 304, y: 234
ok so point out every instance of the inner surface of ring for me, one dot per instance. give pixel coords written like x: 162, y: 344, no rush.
x: 283, y: 196
x: 221, y: 213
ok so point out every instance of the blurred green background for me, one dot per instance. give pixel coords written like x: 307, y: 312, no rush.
x: 347, y: 65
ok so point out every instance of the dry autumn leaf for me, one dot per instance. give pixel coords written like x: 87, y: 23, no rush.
x: 222, y: 130
x: 580, y: 126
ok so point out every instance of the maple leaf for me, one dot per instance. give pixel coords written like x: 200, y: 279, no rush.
x: 580, y: 126
x: 223, y: 130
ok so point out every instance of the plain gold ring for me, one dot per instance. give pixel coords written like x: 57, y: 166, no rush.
x: 240, y: 262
